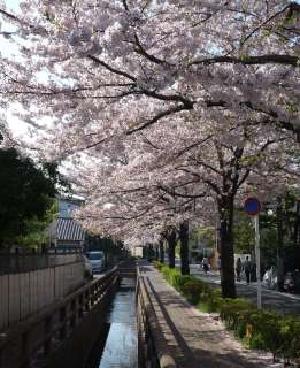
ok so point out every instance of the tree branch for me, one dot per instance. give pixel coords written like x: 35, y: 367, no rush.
x: 110, y: 68
x: 172, y: 110
x: 249, y: 59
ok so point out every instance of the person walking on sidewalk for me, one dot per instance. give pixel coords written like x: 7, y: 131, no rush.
x: 205, y: 264
x: 238, y: 269
x: 253, y: 272
x: 247, y: 269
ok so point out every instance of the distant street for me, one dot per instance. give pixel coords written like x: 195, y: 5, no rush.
x: 283, y: 302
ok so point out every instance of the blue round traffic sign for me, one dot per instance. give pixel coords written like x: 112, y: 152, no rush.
x: 252, y: 206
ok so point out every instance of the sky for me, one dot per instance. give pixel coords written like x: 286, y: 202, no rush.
x: 12, y: 4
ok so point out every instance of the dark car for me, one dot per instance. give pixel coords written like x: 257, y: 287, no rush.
x: 292, y: 282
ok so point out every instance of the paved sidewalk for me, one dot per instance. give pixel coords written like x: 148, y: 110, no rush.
x: 195, y: 339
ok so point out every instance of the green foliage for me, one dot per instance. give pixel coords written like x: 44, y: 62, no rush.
x: 26, y: 194
x: 269, y: 331
x: 206, y: 235
x: 35, y: 229
x: 243, y: 233
x: 192, y: 291
x: 158, y: 265
x: 259, y: 329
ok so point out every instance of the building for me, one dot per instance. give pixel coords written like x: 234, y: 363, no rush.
x: 137, y: 252
x: 65, y: 231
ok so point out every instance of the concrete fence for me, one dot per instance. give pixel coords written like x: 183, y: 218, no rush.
x: 23, y: 263
x: 154, y: 350
x: 23, y: 294
x: 66, y: 334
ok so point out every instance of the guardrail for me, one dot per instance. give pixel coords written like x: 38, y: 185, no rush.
x: 35, y: 338
x: 153, y: 349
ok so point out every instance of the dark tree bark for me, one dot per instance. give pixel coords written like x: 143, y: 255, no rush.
x: 146, y: 253
x: 184, y: 247
x: 296, y: 234
x: 171, y: 237
x: 280, y: 263
x: 151, y: 252
x: 225, y: 209
x: 156, y: 252
x: 161, y: 251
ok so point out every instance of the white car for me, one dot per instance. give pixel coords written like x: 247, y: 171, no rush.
x: 96, y: 260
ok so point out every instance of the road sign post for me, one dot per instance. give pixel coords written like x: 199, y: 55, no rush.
x: 253, y: 208
x: 257, y: 260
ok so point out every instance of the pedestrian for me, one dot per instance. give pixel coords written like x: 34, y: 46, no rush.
x: 247, y: 269
x: 253, y: 272
x: 238, y: 269
x: 205, y: 264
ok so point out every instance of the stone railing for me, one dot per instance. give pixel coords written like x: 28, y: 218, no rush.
x: 153, y: 347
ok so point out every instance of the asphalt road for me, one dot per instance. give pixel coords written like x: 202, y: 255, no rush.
x: 282, y: 302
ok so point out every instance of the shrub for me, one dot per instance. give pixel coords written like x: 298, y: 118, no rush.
x: 289, y: 331
x: 181, y: 281
x: 192, y: 290
x: 170, y: 274
x: 158, y: 265
x: 213, y: 300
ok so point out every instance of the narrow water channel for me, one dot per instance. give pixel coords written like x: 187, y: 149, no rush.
x: 121, y: 346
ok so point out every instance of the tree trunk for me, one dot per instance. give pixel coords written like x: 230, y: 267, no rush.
x: 296, y: 224
x: 226, y: 240
x: 151, y: 252
x: 296, y: 236
x: 280, y: 263
x: 184, y: 247
x: 161, y: 251
x: 171, y: 247
x: 156, y: 252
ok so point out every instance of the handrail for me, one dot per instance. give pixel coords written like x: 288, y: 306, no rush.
x: 150, y: 333
x: 52, y: 324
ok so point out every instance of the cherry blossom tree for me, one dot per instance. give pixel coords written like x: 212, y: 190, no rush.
x: 192, y: 176
x: 177, y: 105
x: 139, y: 61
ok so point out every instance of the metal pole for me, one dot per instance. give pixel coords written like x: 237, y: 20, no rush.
x: 257, y: 260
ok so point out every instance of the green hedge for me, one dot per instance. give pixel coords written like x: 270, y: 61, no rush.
x: 259, y: 329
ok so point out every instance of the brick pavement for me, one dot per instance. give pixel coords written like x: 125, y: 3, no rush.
x: 195, y: 339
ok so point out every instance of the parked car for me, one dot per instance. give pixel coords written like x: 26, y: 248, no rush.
x: 96, y: 259
x: 292, y: 282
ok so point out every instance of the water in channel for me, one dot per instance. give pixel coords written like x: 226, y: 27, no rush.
x: 121, y: 346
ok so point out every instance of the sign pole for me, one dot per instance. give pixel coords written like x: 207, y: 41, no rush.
x: 257, y: 260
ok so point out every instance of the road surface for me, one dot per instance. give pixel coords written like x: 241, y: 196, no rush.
x: 285, y: 303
